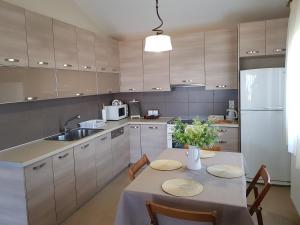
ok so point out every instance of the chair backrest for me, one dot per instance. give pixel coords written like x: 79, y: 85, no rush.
x: 154, y: 209
x: 264, y: 174
x: 133, y: 170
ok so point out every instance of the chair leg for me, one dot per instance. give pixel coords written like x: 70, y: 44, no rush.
x: 259, y: 216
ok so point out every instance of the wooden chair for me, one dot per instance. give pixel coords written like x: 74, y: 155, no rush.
x: 255, y: 207
x: 154, y: 209
x: 134, y: 169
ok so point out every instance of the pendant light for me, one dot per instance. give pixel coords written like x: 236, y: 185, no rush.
x: 158, y: 42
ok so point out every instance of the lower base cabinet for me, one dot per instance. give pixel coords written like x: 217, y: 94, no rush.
x: 135, y: 143
x: 64, y: 184
x: 85, y: 171
x: 229, y: 139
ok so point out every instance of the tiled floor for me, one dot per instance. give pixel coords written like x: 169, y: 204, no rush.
x: 277, y: 208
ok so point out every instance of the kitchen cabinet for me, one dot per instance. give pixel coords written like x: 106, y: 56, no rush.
x: 86, y: 50
x: 156, y: 71
x: 152, y: 132
x: 276, y: 35
x: 18, y: 84
x: 76, y: 83
x: 64, y: 184
x: 108, y: 83
x: 65, y: 46
x: 101, y: 51
x: 252, y: 39
x: 85, y: 171
x: 104, y: 162
x: 113, y: 56
x: 131, y: 63
x: 40, y: 193
x: 120, y: 149
x: 229, y: 139
x: 39, y: 40
x: 221, y: 59
x: 13, y: 46
x: 187, y: 59
x: 135, y: 143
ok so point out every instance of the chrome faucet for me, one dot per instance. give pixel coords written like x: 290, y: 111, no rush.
x: 66, y: 129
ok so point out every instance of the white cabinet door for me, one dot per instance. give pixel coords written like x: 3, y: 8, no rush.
x: 103, y: 160
x: 135, y: 143
x: 153, y: 140
x: 85, y: 172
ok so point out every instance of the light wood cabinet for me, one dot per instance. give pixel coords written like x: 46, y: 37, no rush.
x: 85, y: 171
x: 65, y: 46
x: 120, y: 149
x: 252, y: 39
x: 104, y: 162
x: 221, y: 59
x: 86, y: 50
x: 276, y: 35
x: 135, y: 143
x: 64, y: 184
x: 76, y: 83
x: 113, y: 56
x: 187, y: 59
x: 229, y: 139
x: 101, y: 51
x: 39, y: 40
x: 40, y: 193
x: 156, y: 71
x: 13, y: 46
x: 131, y: 63
x: 108, y: 83
x: 152, y: 132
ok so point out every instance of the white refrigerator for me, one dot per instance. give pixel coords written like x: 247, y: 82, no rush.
x: 263, y: 136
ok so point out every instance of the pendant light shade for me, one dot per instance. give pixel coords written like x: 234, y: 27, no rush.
x: 158, y: 42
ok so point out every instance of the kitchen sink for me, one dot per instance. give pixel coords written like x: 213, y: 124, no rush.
x: 75, y: 134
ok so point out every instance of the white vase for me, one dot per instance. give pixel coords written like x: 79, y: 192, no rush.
x: 193, y: 158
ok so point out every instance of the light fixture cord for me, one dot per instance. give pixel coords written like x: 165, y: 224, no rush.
x: 156, y: 29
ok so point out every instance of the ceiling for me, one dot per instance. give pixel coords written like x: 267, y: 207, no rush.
x: 126, y: 19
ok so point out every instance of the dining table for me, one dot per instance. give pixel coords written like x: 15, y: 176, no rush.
x: 225, y: 196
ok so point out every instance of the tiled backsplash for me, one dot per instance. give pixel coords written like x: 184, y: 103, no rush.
x: 24, y: 122
x: 185, y: 102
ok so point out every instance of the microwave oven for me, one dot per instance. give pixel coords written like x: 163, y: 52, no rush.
x: 116, y: 112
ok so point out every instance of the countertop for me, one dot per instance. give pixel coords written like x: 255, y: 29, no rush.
x: 29, y: 153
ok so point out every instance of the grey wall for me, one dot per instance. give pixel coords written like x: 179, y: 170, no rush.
x: 184, y: 102
x: 24, y: 122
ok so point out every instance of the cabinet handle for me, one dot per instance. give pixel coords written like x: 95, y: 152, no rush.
x: 252, y: 52
x: 153, y: 128
x: 42, y: 63
x: 221, y: 86
x: 39, y: 166
x: 187, y: 81
x: 79, y: 94
x: 67, y: 65
x: 131, y: 89
x: 30, y: 98
x: 85, y: 146
x: 134, y: 127
x: 11, y: 60
x: 222, y: 142
x: 87, y: 67
x: 103, y: 139
x: 63, y: 156
x: 156, y: 88
x: 279, y: 50
x: 223, y: 130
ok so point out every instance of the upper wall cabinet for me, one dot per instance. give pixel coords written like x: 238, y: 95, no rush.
x: 86, y: 50
x: 187, y: 59
x: 108, y: 83
x: 221, y: 59
x: 13, y: 47
x: 65, y: 45
x: 276, y: 34
x: 253, y: 39
x: 156, y: 71
x: 101, y: 51
x: 113, y: 56
x: 131, y: 63
x: 39, y: 40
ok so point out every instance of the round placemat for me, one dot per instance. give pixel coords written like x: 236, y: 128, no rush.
x: 225, y: 171
x: 165, y: 164
x: 182, y: 187
x: 204, y: 154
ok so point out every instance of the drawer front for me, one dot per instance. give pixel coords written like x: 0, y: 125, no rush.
x: 135, y: 143
x: 103, y: 160
x: 40, y: 193
x: 85, y: 172
x: 229, y: 139
x: 64, y: 184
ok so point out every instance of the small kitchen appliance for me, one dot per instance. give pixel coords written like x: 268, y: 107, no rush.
x: 231, y: 114
x: 135, y: 109
x: 116, y: 112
